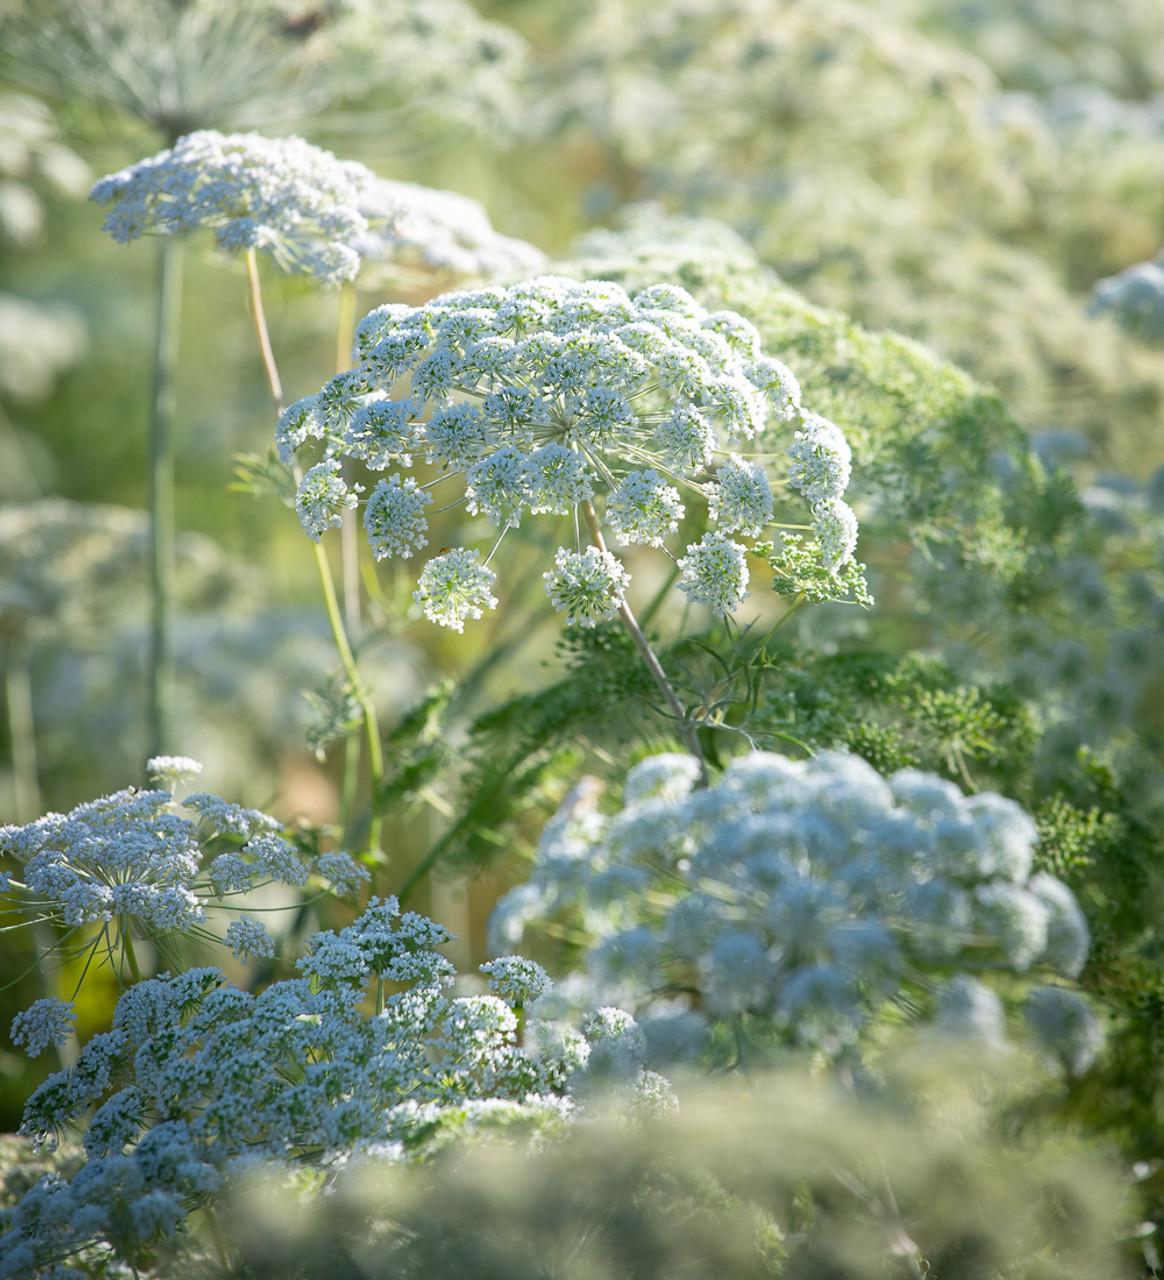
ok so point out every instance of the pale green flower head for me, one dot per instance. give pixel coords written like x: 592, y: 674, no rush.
x: 577, y: 401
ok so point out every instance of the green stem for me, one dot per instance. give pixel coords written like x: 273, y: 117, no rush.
x: 259, y: 315
x: 163, y: 407
x: 22, y: 733
x: 130, y: 954
x: 334, y: 616
x: 347, y: 658
x: 349, y: 531
x: 648, y: 655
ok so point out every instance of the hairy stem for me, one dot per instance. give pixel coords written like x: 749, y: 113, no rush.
x: 331, y: 600
x: 163, y: 406
x: 648, y: 655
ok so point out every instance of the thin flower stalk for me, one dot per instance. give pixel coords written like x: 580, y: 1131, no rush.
x: 163, y: 410
x: 686, y: 728
x: 327, y: 581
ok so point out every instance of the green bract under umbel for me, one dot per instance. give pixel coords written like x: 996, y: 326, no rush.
x: 554, y: 395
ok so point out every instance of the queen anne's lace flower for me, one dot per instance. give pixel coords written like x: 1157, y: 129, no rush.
x: 323, y: 498
x: 247, y: 937
x: 167, y: 771
x: 714, y: 572
x: 394, y: 517
x: 141, y: 859
x: 453, y: 587
x: 821, y: 460
x: 553, y: 394
x: 442, y: 230
x: 301, y: 1071
x: 587, y: 586
x: 45, y: 1022
x: 740, y: 498
x: 835, y: 524
x: 805, y: 895
x: 279, y: 195
x: 644, y: 509
x: 1065, y: 1026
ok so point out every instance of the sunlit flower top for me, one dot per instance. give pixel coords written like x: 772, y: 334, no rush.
x: 280, y: 195
x: 548, y: 395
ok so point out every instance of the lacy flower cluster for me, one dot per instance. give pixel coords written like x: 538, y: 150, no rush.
x: 198, y: 1080
x: 542, y: 398
x: 805, y: 895
x: 282, y: 196
x: 316, y: 215
x: 141, y: 862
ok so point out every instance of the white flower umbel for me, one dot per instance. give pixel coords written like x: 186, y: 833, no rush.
x: 148, y: 864
x: 322, y: 499
x: 586, y: 586
x: 1134, y: 299
x: 804, y: 896
x: 281, y: 196
x: 394, y: 517
x: 644, y: 509
x: 45, y: 1022
x: 576, y: 401
x: 821, y: 460
x: 572, y: 399
x: 453, y: 587
x: 740, y: 498
x: 835, y: 525
x: 714, y: 572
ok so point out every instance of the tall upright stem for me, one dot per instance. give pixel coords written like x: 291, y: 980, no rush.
x: 648, y: 655
x: 349, y: 531
x: 331, y: 600
x: 163, y: 406
x: 22, y: 736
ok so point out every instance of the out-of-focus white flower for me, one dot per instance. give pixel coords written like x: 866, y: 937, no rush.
x: 804, y: 894
x: 442, y: 231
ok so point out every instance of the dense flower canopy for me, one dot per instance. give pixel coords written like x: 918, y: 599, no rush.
x: 548, y: 395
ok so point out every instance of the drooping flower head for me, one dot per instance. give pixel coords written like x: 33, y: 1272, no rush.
x: 571, y: 399
x: 279, y: 195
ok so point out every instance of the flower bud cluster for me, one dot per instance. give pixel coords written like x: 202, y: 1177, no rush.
x: 805, y: 895
x: 550, y: 395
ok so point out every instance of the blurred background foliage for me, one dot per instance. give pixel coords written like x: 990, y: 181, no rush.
x: 912, y: 200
